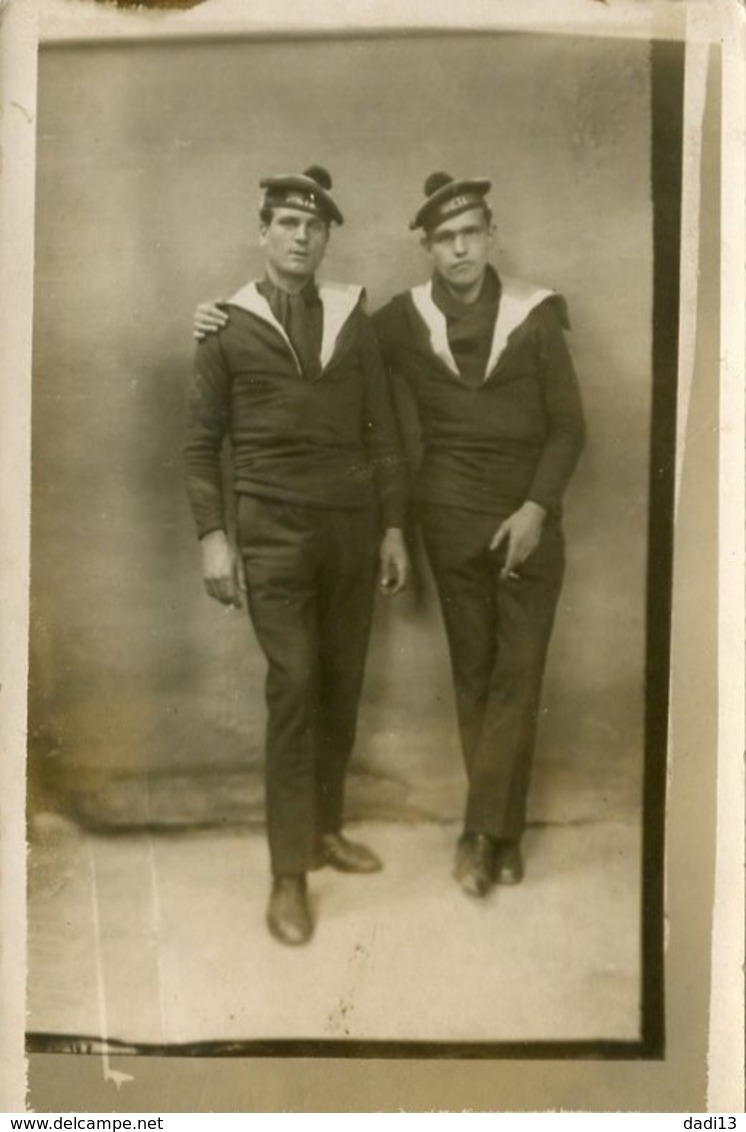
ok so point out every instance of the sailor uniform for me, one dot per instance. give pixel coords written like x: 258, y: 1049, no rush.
x: 501, y: 421
x: 317, y: 475
x: 329, y: 442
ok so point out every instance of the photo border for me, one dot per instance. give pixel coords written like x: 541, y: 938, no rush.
x: 694, y: 449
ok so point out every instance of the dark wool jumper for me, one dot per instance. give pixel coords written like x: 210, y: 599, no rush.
x: 511, y: 436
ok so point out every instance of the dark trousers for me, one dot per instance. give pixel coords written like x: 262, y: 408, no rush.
x: 498, y: 633
x: 311, y: 576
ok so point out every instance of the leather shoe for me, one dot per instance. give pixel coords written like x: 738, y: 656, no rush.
x: 288, y: 915
x: 508, y: 863
x: 346, y: 856
x: 475, y: 863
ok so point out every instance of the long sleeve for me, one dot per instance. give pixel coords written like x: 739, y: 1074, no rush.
x: 563, y: 408
x: 390, y: 330
x: 382, y: 440
x: 208, y: 414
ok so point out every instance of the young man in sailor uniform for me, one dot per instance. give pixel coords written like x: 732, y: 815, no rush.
x: 295, y: 378
x: 484, y: 360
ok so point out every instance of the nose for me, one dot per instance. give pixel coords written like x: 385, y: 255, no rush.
x: 459, y: 245
x: 302, y: 234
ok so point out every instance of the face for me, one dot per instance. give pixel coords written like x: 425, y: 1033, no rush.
x: 294, y: 243
x: 459, y: 249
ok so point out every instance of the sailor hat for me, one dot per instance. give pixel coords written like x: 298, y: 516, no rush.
x: 446, y: 198
x: 308, y: 191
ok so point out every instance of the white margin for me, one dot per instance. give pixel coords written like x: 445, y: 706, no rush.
x: 726, y: 1047
x: 695, y: 82
x: 74, y: 20
x: 18, y: 37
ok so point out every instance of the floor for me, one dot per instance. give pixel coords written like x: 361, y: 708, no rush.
x: 160, y: 938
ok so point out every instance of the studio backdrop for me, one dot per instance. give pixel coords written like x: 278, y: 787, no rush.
x: 146, y: 698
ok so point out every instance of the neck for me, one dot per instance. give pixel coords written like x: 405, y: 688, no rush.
x: 468, y: 294
x: 293, y: 284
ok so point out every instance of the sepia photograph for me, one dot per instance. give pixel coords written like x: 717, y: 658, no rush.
x: 355, y: 463
x: 471, y: 438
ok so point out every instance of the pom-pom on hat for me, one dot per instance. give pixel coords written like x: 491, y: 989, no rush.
x: 308, y: 191
x: 446, y: 198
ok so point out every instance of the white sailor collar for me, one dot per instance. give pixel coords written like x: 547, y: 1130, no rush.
x: 517, y: 299
x: 338, y: 301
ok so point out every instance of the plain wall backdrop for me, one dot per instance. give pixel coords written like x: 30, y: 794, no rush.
x: 148, y: 166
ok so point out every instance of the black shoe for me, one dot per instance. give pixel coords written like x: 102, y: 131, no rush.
x: 346, y: 856
x: 508, y: 863
x: 288, y: 915
x: 475, y: 859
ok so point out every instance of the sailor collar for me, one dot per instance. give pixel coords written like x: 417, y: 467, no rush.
x: 517, y: 299
x: 338, y: 301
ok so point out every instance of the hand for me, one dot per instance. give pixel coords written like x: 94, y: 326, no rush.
x: 222, y: 570
x: 522, y: 531
x: 394, y: 562
x: 208, y: 319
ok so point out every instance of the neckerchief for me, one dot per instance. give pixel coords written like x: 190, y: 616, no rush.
x: 302, y: 317
x: 470, y: 325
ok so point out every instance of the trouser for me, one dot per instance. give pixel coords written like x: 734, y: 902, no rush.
x: 311, y: 576
x: 498, y: 633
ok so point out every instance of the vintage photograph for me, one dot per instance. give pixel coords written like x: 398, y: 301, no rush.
x: 353, y: 451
